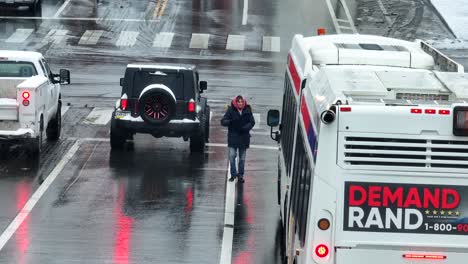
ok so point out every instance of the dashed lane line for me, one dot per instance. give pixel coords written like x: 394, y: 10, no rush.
x: 20, y: 35
x: 27, y: 208
x: 127, y: 38
x: 55, y: 36
x: 57, y: 14
x: 65, y: 108
x: 163, y: 40
x: 271, y: 44
x: 99, y: 116
x: 235, y: 42
x: 245, y: 12
x: 199, y: 41
x: 91, y: 37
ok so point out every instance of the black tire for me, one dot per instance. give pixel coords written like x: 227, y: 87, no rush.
x: 55, y: 125
x: 35, y: 148
x: 156, y: 106
x: 117, y: 135
x: 207, y: 124
x: 197, y: 140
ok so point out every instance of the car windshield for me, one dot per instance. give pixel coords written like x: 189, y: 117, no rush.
x: 17, y: 69
x: 173, y: 80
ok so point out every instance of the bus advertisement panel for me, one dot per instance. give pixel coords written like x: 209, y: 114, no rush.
x: 406, y: 208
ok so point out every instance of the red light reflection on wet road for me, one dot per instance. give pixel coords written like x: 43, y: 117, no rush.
x: 23, y: 192
x: 123, y: 226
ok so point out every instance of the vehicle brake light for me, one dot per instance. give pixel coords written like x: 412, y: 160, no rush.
x: 345, y: 109
x: 444, y: 112
x: 191, y: 106
x: 321, y: 31
x: 430, y: 111
x: 424, y: 256
x: 124, y: 102
x: 321, y: 250
x: 416, y: 110
x: 26, y: 95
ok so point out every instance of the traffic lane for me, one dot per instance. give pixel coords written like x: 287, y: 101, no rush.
x: 256, y: 223
x: 153, y: 204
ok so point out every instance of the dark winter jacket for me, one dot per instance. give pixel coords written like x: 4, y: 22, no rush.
x: 239, y: 126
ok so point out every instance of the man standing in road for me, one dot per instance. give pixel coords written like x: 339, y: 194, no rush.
x: 239, y: 120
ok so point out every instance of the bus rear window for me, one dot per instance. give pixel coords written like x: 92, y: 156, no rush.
x: 17, y: 69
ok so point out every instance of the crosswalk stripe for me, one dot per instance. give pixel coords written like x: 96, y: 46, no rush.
x: 64, y: 109
x: 199, y: 41
x: 271, y: 44
x: 20, y: 35
x: 91, y: 37
x: 56, y: 36
x: 127, y: 38
x: 257, y: 120
x: 163, y: 40
x: 99, y: 116
x: 235, y: 42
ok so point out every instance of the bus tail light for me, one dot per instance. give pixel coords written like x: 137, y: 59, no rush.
x: 424, y: 256
x: 124, y: 101
x: 321, y: 250
x: 323, y: 224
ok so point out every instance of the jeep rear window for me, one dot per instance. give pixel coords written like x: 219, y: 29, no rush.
x: 17, y: 69
x: 173, y: 80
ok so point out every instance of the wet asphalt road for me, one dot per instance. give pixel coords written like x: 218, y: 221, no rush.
x: 153, y: 202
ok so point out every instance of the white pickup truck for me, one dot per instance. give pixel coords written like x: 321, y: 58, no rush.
x: 30, y: 100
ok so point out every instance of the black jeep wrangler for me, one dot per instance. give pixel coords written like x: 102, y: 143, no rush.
x: 164, y: 101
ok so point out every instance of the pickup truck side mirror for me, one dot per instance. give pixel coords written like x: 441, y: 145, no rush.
x: 203, y: 86
x: 121, y: 81
x: 64, y: 76
x: 273, y: 118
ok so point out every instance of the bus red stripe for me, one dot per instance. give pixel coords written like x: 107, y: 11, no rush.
x: 305, y: 115
x: 295, y: 76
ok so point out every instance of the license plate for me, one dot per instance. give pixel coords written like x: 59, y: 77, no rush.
x: 120, y: 115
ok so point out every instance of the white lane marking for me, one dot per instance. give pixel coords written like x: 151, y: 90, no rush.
x: 56, y: 36
x: 99, y: 116
x: 163, y: 40
x: 27, y: 208
x: 229, y: 209
x: 97, y: 19
x: 235, y: 42
x: 271, y: 44
x: 199, y: 41
x: 20, y: 35
x: 57, y: 14
x: 245, y: 12
x: 211, y: 115
x: 91, y: 37
x: 127, y: 38
x: 251, y: 146
x: 384, y: 11
x: 350, y: 18
x: 64, y: 109
x: 257, y: 121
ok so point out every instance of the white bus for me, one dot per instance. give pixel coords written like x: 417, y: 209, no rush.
x: 373, y: 164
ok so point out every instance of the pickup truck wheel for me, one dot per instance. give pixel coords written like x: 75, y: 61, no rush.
x: 157, y: 107
x: 117, y: 135
x: 36, y: 143
x: 207, y: 124
x: 55, y: 125
x: 197, y: 140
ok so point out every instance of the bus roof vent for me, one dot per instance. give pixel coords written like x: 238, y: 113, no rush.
x: 404, y: 153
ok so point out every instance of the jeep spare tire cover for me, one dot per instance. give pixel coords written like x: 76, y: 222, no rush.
x: 157, y: 104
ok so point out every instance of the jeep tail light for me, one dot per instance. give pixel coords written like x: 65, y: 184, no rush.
x: 191, y: 106
x: 124, y: 102
x: 424, y: 256
x: 321, y: 250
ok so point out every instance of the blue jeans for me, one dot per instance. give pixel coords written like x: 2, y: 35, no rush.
x: 241, y: 161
